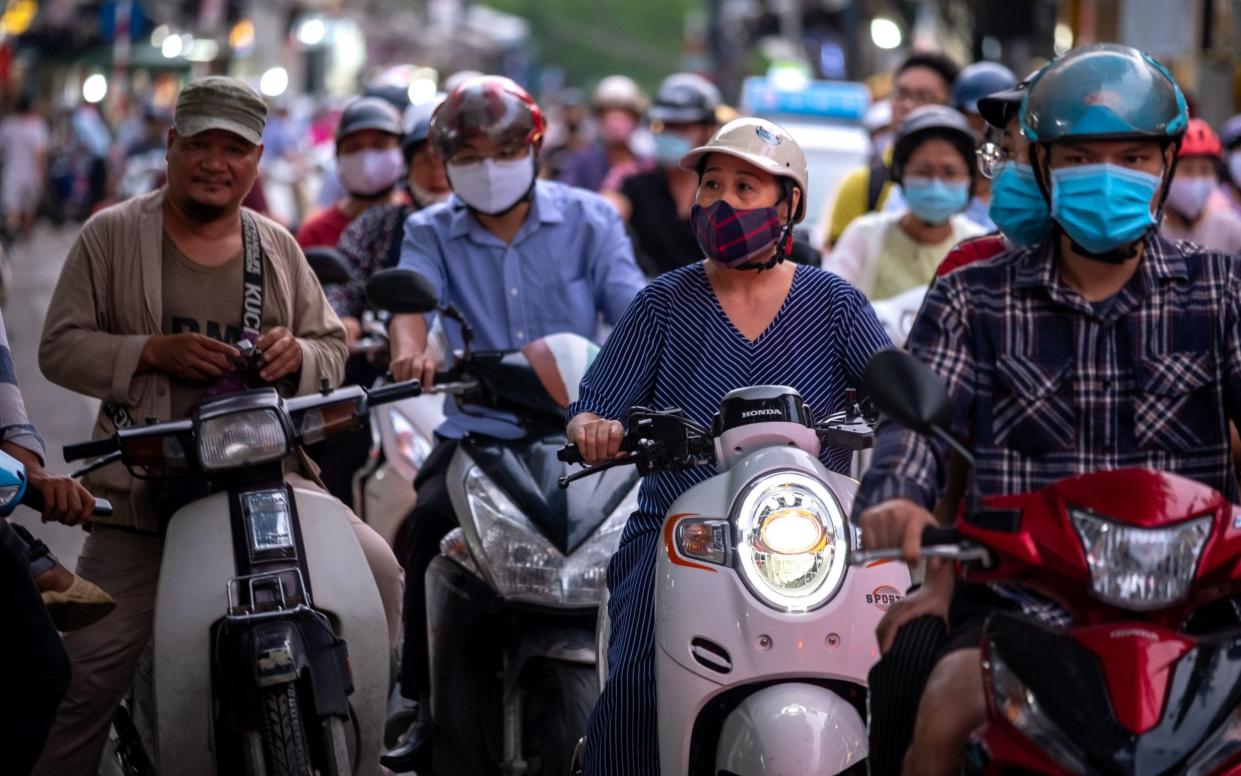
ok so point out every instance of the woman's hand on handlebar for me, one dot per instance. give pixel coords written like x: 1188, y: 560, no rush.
x: 420, y: 367
x: 597, y: 439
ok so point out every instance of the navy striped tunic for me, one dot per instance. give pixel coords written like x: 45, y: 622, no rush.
x: 676, y: 347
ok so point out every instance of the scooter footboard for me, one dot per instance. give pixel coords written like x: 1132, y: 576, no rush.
x: 791, y: 727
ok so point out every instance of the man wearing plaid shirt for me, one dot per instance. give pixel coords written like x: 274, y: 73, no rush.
x: 1101, y: 347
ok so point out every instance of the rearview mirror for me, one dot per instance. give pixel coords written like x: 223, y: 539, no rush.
x: 328, y: 264
x: 907, y: 391
x: 401, y: 290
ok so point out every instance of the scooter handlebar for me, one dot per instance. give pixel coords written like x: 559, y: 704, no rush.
x: 937, y: 542
x: 34, y: 499
x: 395, y: 392
x: 92, y: 449
x: 569, y: 454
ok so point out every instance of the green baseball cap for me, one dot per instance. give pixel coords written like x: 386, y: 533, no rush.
x: 220, y: 102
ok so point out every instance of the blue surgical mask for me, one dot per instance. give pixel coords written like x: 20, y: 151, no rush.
x: 1103, y: 207
x: 933, y: 200
x: 1017, y: 205
x: 670, y: 147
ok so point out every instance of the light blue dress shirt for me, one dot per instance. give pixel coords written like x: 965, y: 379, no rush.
x: 570, y: 261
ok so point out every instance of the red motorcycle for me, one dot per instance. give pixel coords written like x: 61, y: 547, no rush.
x: 1147, y: 679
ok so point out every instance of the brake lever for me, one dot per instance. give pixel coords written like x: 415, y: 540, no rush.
x: 567, y: 479
x: 110, y: 458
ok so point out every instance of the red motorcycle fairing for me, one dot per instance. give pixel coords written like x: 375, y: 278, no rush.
x: 1033, y: 541
x: 1145, y: 701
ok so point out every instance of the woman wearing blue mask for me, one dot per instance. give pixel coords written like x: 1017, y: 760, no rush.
x: 891, y: 254
x: 655, y: 200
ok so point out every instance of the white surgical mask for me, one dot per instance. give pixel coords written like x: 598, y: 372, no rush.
x: 370, y: 172
x: 492, y: 186
x: 1188, y: 196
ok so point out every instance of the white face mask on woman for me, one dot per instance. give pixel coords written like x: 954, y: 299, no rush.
x: 370, y: 172
x: 493, y: 186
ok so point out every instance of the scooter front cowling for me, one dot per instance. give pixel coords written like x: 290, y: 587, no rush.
x: 716, y: 636
x: 192, y: 595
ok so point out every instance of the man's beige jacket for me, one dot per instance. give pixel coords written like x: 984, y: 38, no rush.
x: 107, y: 304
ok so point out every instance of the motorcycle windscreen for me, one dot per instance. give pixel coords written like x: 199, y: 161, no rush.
x: 1130, y: 698
x: 528, y: 472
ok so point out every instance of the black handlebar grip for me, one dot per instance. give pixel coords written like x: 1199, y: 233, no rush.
x: 95, y: 448
x: 395, y: 392
x: 569, y: 454
x: 936, y: 535
x: 446, y: 376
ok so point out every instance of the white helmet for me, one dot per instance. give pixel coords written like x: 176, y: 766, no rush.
x: 619, y: 91
x: 764, y: 144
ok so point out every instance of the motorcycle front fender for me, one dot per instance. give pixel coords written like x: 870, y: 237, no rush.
x: 791, y: 728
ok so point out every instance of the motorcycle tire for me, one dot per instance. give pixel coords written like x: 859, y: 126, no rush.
x: 284, y: 733
x: 559, y: 699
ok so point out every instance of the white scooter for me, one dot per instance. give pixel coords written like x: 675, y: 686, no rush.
x: 764, y: 634
x: 270, y: 648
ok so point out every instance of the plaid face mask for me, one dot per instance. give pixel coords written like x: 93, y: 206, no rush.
x: 735, y: 237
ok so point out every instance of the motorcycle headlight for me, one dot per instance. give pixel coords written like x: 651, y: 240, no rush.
x: 521, y: 565
x: 1017, y: 704
x: 241, y: 439
x: 792, y: 541
x: 1140, y: 568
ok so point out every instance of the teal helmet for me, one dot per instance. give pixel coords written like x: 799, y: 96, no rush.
x: 1104, y: 91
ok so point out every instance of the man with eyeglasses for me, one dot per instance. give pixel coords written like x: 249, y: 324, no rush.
x: 521, y: 258
x: 924, y: 78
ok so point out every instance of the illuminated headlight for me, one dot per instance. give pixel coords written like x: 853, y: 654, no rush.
x: 792, y: 541
x: 1017, y: 704
x: 267, y: 519
x: 515, y: 558
x: 241, y: 439
x: 1140, y: 568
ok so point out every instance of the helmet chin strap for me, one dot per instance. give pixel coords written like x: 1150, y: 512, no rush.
x: 1115, y: 256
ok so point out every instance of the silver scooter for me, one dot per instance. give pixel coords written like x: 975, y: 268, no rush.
x: 270, y: 653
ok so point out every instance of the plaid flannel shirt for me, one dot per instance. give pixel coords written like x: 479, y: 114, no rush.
x: 1046, y: 385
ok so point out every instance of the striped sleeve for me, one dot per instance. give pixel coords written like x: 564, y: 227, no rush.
x: 623, y: 374
x: 14, y: 426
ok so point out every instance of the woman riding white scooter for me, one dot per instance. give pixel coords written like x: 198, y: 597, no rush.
x: 742, y: 317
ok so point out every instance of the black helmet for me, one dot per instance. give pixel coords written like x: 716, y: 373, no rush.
x: 999, y: 108
x: 368, y: 113
x: 415, y: 137
x: 977, y: 81
x: 685, y: 98
x: 932, y: 121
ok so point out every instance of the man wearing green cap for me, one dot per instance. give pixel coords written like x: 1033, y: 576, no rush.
x: 153, y: 297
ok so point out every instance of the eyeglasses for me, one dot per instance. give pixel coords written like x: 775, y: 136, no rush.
x: 916, y: 97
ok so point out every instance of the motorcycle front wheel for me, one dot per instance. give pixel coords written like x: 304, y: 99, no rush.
x: 284, y: 733
x: 559, y: 699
